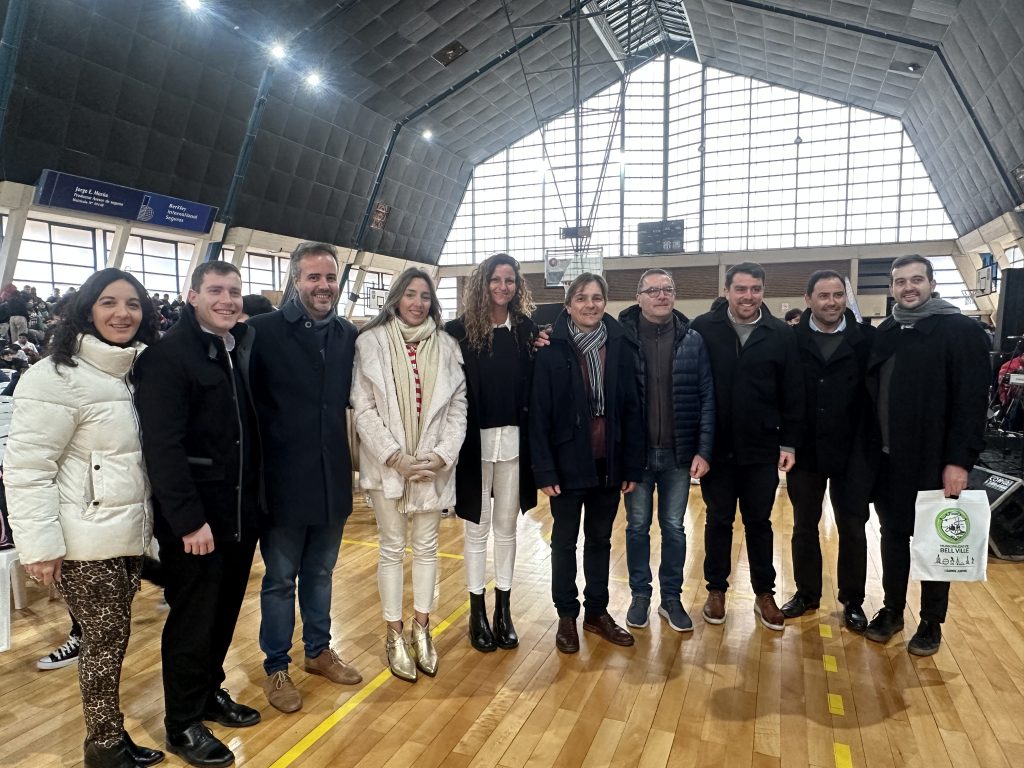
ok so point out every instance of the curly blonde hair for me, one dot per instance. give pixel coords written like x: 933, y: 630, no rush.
x: 476, y: 301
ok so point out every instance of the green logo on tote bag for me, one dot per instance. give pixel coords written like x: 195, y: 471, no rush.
x: 953, y: 525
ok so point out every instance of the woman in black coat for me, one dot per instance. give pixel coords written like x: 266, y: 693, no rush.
x: 493, y: 479
x: 587, y: 446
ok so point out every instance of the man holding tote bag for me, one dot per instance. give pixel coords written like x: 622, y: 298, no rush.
x: 928, y: 378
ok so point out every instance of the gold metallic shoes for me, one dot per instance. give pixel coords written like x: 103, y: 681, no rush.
x: 399, y: 659
x: 423, y: 648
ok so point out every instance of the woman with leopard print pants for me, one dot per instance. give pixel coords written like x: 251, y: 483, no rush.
x: 77, y: 491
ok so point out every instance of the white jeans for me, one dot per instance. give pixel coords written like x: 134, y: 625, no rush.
x: 503, y: 478
x: 392, y: 527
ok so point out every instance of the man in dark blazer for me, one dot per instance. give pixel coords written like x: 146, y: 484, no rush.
x: 201, y: 447
x: 759, y: 404
x: 301, y: 375
x: 834, y: 350
x: 928, y: 377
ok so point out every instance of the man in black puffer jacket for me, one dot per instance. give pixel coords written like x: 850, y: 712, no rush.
x: 677, y: 391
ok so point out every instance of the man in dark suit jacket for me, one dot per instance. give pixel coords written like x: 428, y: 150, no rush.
x: 301, y: 375
x: 928, y: 376
x: 834, y: 350
x: 759, y: 403
x: 202, y: 457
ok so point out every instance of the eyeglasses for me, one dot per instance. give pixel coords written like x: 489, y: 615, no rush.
x: 652, y: 292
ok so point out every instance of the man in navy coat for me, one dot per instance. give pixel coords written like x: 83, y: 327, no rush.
x: 301, y: 375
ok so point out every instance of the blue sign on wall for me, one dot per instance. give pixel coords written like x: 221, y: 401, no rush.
x: 77, y: 193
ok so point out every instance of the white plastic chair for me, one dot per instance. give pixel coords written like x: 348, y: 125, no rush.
x: 12, y: 580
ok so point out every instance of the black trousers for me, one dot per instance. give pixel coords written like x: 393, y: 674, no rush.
x: 205, y: 594
x: 752, y: 486
x: 596, y: 508
x: 806, y: 490
x: 895, y: 505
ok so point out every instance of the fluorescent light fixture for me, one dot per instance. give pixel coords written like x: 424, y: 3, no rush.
x: 313, y: 79
x: 278, y: 51
x: 428, y: 134
x: 193, y: 5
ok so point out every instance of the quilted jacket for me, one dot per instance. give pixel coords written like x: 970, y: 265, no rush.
x: 76, y: 483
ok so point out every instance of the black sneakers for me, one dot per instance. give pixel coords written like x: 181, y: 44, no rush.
x: 927, y: 639
x: 887, y: 622
x: 63, y: 656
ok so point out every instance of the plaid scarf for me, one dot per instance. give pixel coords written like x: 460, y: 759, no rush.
x: 589, y: 347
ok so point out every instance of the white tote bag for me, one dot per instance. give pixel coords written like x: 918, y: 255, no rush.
x: 950, y: 537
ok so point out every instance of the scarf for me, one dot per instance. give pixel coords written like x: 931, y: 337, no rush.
x: 399, y: 334
x: 932, y: 306
x: 589, y: 347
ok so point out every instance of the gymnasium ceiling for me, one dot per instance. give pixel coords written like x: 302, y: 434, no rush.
x: 153, y: 96
x: 962, y: 105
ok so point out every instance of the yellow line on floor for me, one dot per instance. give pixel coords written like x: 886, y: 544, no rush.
x: 829, y: 663
x: 407, y: 549
x: 825, y: 630
x: 835, y: 704
x: 841, y: 752
x: 361, y: 695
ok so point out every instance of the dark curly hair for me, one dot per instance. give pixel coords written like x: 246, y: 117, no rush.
x: 76, y: 317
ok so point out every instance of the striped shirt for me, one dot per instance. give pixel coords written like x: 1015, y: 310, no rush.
x: 410, y: 350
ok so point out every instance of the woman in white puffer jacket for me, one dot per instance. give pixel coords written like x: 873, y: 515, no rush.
x: 77, y: 491
x: 409, y: 396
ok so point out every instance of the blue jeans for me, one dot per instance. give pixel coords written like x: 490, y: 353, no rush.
x: 306, y: 554
x: 673, y: 484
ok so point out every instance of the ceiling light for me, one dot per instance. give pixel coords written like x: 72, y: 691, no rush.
x: 193, y: 5
x: 278, y: 51
x: 313, y: 79
x: 428, y: 134
x: 913, y: 67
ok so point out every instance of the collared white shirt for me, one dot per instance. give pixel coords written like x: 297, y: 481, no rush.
x: 839, y: 328
x: 500, y: 443
x: 229, y: 338
x: 738, y: 322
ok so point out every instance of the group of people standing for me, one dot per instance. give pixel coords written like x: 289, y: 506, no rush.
x: 224, y: 435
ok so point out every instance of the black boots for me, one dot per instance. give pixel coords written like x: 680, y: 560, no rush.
x: 504, y: 632
x: 479, y: 630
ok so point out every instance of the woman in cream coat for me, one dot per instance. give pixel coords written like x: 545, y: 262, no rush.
x: 77, y: 490
x: 409, y: 395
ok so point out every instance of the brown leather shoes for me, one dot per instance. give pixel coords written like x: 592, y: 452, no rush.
x: 567, y: 639
x: 714, y: 607
x: 768, y: 612
x: 605, y: 626
x: 329, y: 665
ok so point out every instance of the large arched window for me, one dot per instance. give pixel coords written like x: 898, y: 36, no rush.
x: 746, y: 165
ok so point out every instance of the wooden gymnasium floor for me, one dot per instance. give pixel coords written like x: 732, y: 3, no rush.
x: 734, y: 695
